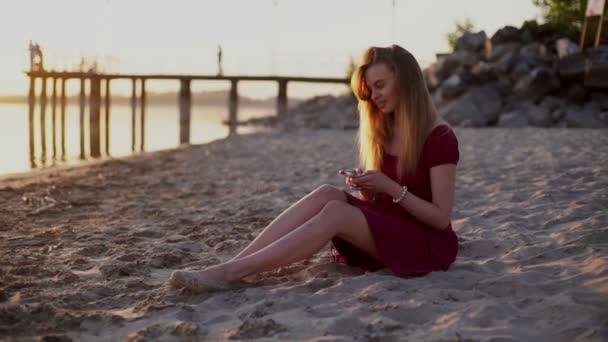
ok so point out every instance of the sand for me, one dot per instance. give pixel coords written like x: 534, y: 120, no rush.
x: 85, y: 251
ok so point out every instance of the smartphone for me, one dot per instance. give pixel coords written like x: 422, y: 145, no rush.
x: 350, y: 172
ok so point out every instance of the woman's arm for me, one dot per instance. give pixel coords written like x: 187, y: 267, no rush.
x: 437, y: 214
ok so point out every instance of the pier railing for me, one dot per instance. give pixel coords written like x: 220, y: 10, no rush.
x: 98, y: 81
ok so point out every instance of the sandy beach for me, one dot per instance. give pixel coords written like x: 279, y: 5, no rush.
x: 85, y: 251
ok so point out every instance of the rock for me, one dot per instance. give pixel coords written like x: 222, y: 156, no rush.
x: 529, y: 31
x: 603, y: 116
x: 537, y: 84
x: 467, y: 58
x: 519, y: 71
x: 597, y: 67
x: 498, y: 51
x: 471, y: 41
x: 534, y: 52
x: 437, y: 97
x: 577, y: 94
x: 552, y: 102
x: 601, y: 99
x: 453, y: 87
x: 572, y: 67
x: 459, y: 59
x: 505, y: 35
x: 483, y: 72
x: 479, y: 107
x: 566, y: 47
x: 506, y: 62
x: 578, y: 117
x: 545, y: 34
x: 538, y: 116
x: 504, y: 85
x: 430, y: 76
x: 558, y: 114
x: 513, y: 119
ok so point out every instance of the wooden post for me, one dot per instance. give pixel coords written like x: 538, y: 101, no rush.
x: 32, y: 108
x: 43, y: 119
x: 233, y: 106
x: 133, y: 112
x: 142, y: 122
x: 598, y: 33
x: 62, y: 104
x: 185, y: 108
x: 107, y: 123
x: 584, y: 32
x: 282, y: 100
x: 94, y: 120
x: 54, y: 117
x: 81, y: 116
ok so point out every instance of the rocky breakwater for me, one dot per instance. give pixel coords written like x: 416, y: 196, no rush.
x: 520, y: 77
x: 517, y: 78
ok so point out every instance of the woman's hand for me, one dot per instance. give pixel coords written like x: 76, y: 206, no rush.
x: 374, y: 181
x: 363, y: 194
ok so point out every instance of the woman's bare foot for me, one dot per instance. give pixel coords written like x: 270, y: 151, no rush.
x: 209, y: 279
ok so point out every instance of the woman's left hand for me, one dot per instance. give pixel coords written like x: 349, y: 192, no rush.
x: 375, y: 181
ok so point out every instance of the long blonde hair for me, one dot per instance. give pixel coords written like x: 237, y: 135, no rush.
x: 413, y: 117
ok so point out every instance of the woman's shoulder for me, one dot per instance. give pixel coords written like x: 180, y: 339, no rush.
x: 441, y: 131
x: 441, y: 145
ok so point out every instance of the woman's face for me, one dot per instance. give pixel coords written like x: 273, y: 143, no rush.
x: 382, y: 83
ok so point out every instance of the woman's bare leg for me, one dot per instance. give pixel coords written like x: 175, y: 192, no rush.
x: 337, y: 218
x: 293, y: 217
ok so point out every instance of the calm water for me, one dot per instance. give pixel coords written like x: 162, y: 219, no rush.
x: 161, y: 131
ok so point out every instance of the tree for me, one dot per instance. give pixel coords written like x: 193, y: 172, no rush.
x: 461, y: 28
x: 566, y: 17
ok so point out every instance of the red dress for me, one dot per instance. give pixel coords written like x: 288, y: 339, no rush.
x: 406, y: 245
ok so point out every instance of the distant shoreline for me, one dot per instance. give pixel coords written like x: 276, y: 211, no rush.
x: 169, y: 98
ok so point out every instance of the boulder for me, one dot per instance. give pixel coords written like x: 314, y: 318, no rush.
x: 601, y: 99
x: 504, y: 85
x: 471, y: 41
x: 534, y: 52
x: 582, y: 117
x: 538, y: 116
x: 483, y: 72
x: 536, y: 84
x: 504, y: 64
x: 430, y: 77
x: 603, y: 117
x: 460, y: 59
x: 558, y: 114
x: 513, y: 119
x: 529, y: 31
x: 499, y: 50
x: 453, y: 87
x: 505, y: 35
x: 519, y: 71
x: 552, y: 102
x: 478, y: 107
x: 572, y: 67
x: 566, y: 47
x: 577, y: 94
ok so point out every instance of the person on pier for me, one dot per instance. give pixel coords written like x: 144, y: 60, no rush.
x: 401, y: 219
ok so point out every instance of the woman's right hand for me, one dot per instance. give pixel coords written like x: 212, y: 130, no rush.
x: 366, y: 195
x: 349, y: 179
x: 349, y: 182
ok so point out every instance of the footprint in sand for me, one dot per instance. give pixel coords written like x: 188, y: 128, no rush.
x: 255, y: 328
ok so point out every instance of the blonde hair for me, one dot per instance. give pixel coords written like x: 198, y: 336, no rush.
x: 413, y: 117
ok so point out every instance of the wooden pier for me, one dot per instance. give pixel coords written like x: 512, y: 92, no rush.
x: 97, y: 82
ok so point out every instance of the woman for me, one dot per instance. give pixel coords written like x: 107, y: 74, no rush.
x: 402, y: 220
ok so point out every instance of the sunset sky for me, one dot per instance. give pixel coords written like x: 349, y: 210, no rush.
x: 286, y: 37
